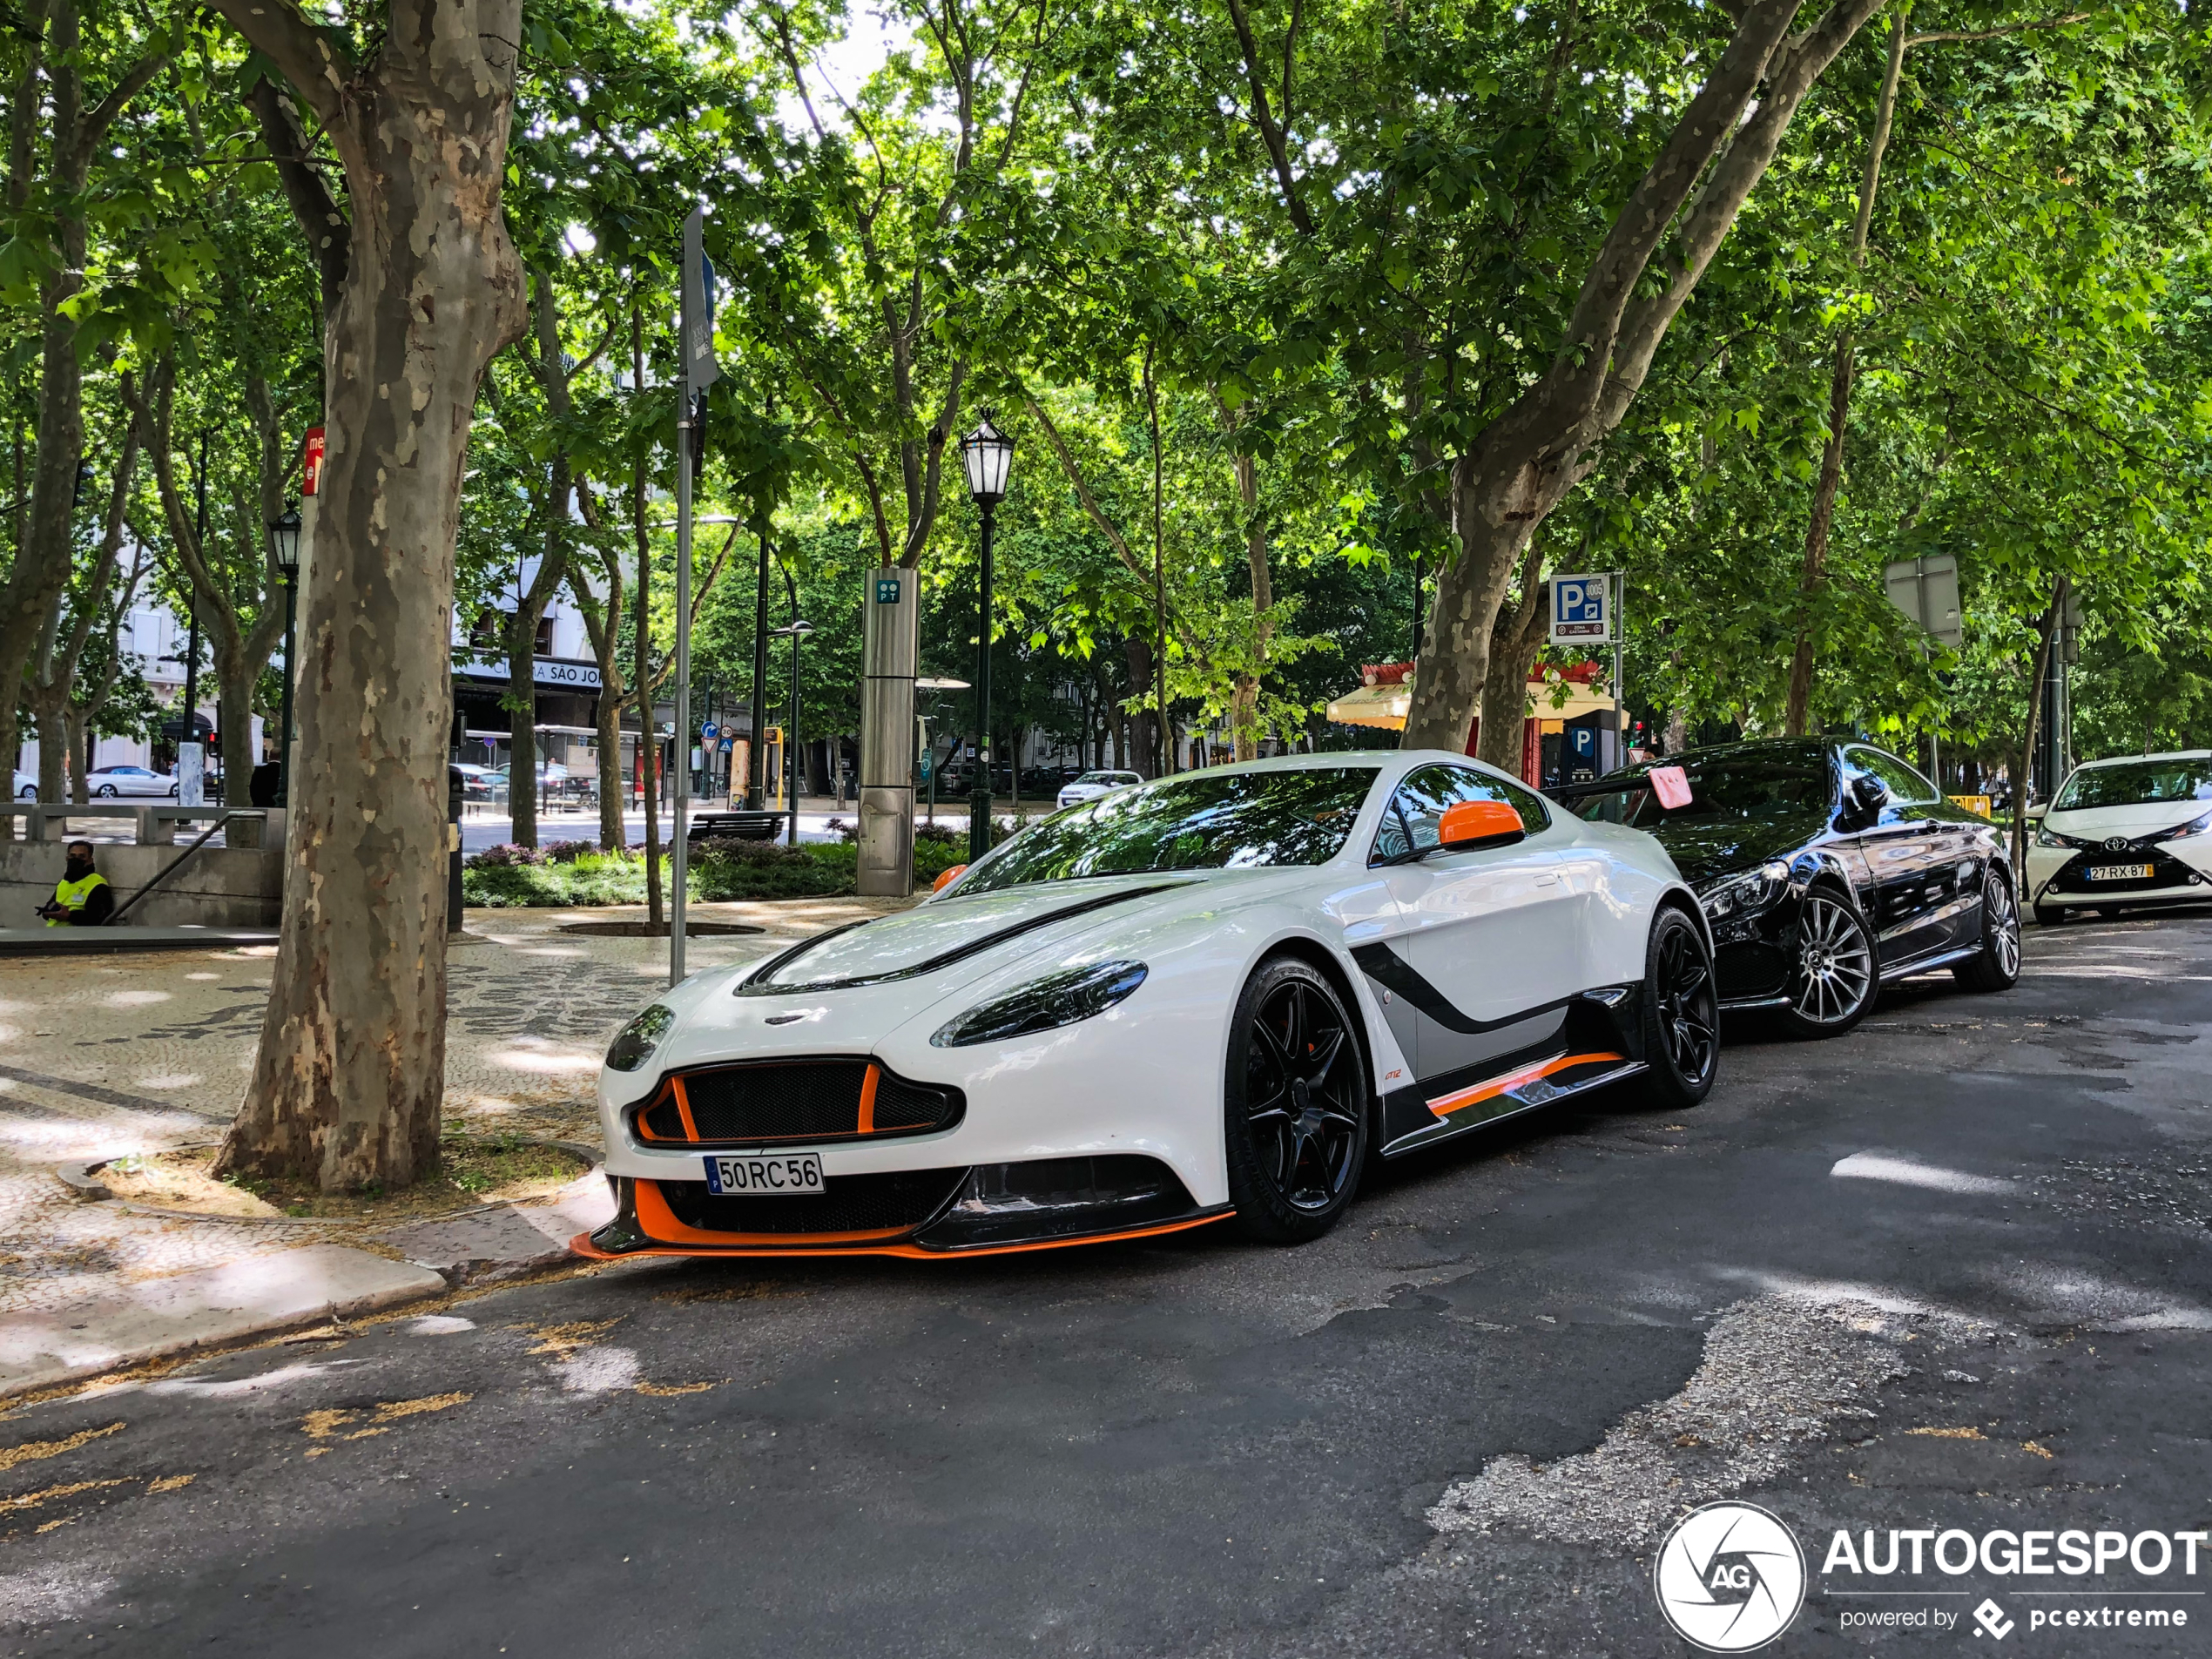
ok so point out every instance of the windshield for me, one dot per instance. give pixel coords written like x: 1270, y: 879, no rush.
x: 1100, y: 777
x: 1229, y: 820
x: 2137, y: 783
x: 1718, y: 789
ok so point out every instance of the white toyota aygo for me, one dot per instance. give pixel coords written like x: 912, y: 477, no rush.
x: 2132, y: 830
x: 1214, y: 995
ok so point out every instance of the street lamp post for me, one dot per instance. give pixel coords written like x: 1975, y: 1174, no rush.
x: 284, y: 546
x: 989, y: 456
x: 798, y: 629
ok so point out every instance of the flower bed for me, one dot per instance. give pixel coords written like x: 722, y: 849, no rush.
x: 504, y: 877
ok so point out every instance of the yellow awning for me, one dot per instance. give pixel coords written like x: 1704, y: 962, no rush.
x: 1386, y: 706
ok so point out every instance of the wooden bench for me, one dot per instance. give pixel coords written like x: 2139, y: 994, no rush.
x: 737, y: 826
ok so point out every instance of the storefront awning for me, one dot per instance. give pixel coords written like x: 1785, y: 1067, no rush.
x: 1386, y: 706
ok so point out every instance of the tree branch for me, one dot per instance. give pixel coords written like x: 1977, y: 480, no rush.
x: 1271, y: 132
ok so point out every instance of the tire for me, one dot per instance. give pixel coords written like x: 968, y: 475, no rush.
x: 1296, y: 1105
x: 1998, y: 967
x: 2050, y: 915
x: 1836, y: 975
x: 1681, y: 1039
x: 105, y: 791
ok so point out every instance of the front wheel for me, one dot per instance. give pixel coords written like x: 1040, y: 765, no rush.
x: 1834, y: 981
x: 1295, y: 1111
x: 105, y: 791
x: 1682, y: 1041
x: 1997, y: 966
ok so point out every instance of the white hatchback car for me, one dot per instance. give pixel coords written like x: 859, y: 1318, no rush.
x: 2131, y: 831
x: 1092, y: 784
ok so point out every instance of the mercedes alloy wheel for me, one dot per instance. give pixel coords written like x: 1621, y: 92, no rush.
x: 1834, y: 981
x: 1998, y: 966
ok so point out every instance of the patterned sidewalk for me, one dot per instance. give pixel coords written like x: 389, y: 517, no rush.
x: 102, y: 1057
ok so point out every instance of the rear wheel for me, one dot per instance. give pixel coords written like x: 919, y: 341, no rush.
x: 1295, y: 1117
x: 1834, y: 981
x: 1998, y: 966
x: 1682, y: 1041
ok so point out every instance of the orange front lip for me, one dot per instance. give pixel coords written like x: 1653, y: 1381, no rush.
x: 582, y: 1243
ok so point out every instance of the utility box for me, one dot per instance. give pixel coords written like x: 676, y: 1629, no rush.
x: 890, y: 645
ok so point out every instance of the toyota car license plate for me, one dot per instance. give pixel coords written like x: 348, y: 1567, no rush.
x: 2120, y: 873
x: 755, y: 1177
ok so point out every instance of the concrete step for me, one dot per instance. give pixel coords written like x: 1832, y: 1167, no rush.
x: 84, y: 942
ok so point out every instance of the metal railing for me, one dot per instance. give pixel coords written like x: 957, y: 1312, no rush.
x: 174, y: 865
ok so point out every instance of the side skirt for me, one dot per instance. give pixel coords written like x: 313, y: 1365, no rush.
x: 1541, y: 1082
x: 1929, y: 964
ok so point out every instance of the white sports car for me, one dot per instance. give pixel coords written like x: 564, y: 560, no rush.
x: 1216, y: 995
x: 2132, y: 830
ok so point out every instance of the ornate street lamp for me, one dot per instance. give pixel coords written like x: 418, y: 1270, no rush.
x: 987, y: 454
x: 284, y: 550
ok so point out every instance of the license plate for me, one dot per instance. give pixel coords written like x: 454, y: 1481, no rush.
x: 760, y: 1176
x: 2120, y: 873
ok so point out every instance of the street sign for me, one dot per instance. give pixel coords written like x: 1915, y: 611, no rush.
x: 1926, y: 590
x: 887, y: 589
x: 1582, y: 609
x: 729, y: 746
x: 700, y: 370
x: 311, y: 452
x: 710, y: 731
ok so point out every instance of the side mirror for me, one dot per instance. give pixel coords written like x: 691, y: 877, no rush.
x: 946, y: 878
x: 1865, y: 796
x: 1479, y: 823
x: 2035, y: 813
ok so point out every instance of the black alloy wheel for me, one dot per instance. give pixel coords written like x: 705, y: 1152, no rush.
x: 1997, y: 968
x: 1833, y: 982
x: 1682, y: 1040
x: 1296, y: 1112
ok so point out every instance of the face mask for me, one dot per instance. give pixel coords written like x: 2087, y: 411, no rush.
x: 77, y: 868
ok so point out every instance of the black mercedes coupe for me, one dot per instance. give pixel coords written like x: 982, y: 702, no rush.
x: 1825, y: 867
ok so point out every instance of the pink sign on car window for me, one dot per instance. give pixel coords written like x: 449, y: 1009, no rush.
x: 1671, y: 785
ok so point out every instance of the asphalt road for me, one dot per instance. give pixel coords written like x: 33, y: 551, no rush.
x: 1950, y: 1271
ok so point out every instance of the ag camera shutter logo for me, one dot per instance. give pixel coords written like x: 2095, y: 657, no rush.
x: 1730, y: 1578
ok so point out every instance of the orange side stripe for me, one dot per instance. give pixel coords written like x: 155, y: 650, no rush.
x: 684, y: 1110
x: 867, y: 1100
x: 1445, y: 1105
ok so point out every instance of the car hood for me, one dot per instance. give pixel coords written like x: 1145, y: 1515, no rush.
x: 2094, y: 823
x: 1709, y: 850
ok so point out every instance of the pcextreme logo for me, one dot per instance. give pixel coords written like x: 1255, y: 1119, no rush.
x: 1729, y: 1577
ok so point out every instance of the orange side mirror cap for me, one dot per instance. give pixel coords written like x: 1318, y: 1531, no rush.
x: 946, y: 878
x: 1478, y: 820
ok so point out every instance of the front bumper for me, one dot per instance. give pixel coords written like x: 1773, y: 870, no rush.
x: 2181, y: 872
x: 988, y: 1209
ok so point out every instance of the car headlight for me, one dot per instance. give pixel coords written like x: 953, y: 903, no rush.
x: 634, y: 1044
x: 2198, y: 825
x: 1750, y: 893
x: 1059, y: 999
x: 2047, y: 837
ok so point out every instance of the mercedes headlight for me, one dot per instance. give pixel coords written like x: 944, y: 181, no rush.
x: 1750, y: 893
x: 1059, y: 999
x: 633, y: 1046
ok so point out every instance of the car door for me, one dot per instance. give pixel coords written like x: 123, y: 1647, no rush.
x: 1485, y: 949
x: 1912, y: 856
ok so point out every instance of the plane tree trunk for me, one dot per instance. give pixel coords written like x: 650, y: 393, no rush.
x: 350, y: 1075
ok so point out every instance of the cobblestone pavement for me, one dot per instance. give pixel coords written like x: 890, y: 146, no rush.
x: 103, y: 1056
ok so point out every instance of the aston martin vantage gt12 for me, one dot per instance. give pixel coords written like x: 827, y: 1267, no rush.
x: 1825, y: 868
x: 1208, y: 996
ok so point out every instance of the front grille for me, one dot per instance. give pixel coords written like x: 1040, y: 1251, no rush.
x: 897, y: 1201
x: 2165, y: 871
x: 812, y: 1101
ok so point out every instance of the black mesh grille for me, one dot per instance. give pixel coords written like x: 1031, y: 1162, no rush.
x: 663, y: 1122
x: 850, y: 1204
x: 899, y: 1104
x: 783, y: 1103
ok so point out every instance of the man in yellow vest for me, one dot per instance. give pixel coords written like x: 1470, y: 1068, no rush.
x: 82, y: 897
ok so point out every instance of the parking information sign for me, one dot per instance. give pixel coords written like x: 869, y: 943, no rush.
x: 1582, y: 609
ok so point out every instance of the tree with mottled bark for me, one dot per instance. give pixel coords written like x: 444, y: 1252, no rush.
x: 350, y: 1075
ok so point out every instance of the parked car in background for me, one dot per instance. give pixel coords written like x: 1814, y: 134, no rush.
x: 108, y: 782
x: 1825, y: 867
x: 26, y: 787
x: 478, y: 783
x: 1092, y: 784
x: 557, y: 784
x: 2125, y: 831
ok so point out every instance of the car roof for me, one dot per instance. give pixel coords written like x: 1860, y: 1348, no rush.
x: 2134, y: 760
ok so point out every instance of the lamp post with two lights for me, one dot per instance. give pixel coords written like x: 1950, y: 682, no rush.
x: 989, y: 456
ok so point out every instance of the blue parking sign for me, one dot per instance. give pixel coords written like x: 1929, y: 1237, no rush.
x: 1581, y: 611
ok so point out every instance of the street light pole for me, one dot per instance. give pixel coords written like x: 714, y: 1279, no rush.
x: 987, y: 455
x: 695, y: 302
x: 284, y: 543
